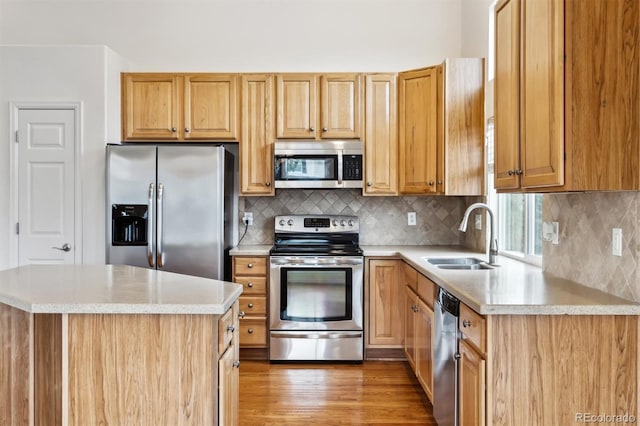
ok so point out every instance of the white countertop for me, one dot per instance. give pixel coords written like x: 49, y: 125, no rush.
x: 112, y: 289
x: 251, y: 250
x: 513, y: 288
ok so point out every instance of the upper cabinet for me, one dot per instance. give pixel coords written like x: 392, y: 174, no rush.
x: 312, y: 106
x: 381, y: 135
x: 441, y: 129
x: 256, y: 143
x: 566, y: 95
x: 179, y: 107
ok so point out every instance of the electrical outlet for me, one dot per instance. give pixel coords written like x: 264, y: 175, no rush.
x: 248, y: 218
x: 479, y: 222
x: 411, y: 218
x: 616, y: 242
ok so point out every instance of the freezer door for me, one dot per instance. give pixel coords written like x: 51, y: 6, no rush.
x: 190, y: 210
x: 131, y: 178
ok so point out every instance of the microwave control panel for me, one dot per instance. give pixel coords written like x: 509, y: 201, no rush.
x: 352, y: 167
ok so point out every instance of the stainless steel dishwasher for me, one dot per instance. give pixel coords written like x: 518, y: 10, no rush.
x: 445, y: 369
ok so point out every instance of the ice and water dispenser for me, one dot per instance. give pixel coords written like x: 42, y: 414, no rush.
x: 129, y: 224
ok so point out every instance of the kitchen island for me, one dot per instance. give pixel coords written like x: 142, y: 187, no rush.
x: 115, y: 344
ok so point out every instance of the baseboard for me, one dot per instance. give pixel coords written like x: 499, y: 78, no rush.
x: 383, y: 354
x: 254, y: 353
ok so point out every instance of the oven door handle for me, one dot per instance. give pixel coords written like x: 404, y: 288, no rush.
x: 310, y: 262
x: 312, y: 335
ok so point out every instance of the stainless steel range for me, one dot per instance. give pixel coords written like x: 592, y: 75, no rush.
x: 316, y: 288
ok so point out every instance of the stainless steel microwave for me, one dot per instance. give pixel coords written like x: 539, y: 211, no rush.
x: 326, y: 164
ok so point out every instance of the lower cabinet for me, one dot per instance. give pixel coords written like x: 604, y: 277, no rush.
x: 252, y: 273
x: 228, y: 368
x: 471, y: 375
x: 385, y: 304
x: 418, y: 326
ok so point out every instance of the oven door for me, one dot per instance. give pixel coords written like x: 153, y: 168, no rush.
x: 316, y: 292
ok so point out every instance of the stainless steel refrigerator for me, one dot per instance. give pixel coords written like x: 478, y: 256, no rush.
x: 172, y: 207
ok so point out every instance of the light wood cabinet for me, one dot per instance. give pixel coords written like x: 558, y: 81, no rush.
x: 559, y: 126
x: 228, y: 369
x: 252, y: 273
x: 381, y: 135
x: 418, y: 325
x: 441, y: 128
x: 385, y: 303
x: 424, y: 347
x: 258, y: 134
x: 312, y: 106
x: 472, y: 380
x: 179, y: 107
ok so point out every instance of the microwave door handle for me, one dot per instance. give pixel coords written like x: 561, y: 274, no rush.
x: 339, y: 168
x: 160, y: 249
x: 150, y: 228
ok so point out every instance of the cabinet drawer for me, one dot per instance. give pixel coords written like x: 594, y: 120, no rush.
x: 253, y: 332
x: 250, y: 266
x: 252, y: 286
x: 226, y: 331
x: 473, y: 328
x: 409, y: 276
x: 253, y: 305
x: 426, y: 288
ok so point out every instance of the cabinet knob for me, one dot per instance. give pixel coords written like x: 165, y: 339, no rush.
x: 241, y: 314
x: 250, y: 285
x: 236, y: 364
x: 187, y: 130
x: 231, y: 328
x: 466, y: 323
x: 250, y: 331
x: 173, y: 129
x: 456, y: 355
x: 267, y: 184
x: 324, y: 129
x: 439, y: 182
x: 431, y: 183
x: 312, y: 129
x: 250, y: 265
x: 519, y: 172
x: 511, y: 172
x: 250, y: 305
x: 369, y: 184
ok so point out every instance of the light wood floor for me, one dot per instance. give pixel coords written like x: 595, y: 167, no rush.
x: 372, y: 393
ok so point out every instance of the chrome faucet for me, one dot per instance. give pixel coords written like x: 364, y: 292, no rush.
x: 493, y: 245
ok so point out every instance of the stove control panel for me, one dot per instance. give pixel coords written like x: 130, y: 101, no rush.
x: 317, y: 223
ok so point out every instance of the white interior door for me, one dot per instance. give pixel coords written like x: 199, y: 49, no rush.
x: 46, y: 186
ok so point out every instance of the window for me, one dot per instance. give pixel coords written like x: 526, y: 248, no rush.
x: 519, y: 216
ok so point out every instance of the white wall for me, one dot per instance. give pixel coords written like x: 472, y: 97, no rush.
x: 61, y: 73
x: 246, y: 35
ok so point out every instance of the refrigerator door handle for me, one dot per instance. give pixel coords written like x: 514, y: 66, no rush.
x: 150, y: 228
x: 160, y: 256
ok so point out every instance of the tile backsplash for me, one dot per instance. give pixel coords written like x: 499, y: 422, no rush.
x: 584, y: 250
x: 383, y: 220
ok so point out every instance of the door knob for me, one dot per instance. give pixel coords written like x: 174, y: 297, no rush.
x: 65, y: 247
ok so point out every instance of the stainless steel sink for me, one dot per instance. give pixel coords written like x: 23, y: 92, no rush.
x: 461, y: 263
x: 471, y: 267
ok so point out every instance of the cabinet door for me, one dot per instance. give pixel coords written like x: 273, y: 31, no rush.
x: 381, y: 140
x: 385, y: 301
x: 424, y: 348
x: 256, y: 142
x: 150, y: 107
x: 506, y: 95
x: 472, y: 386
x: 418, y: 131
x: 542, y: 93
x: 210, y: 106
x: 410, y: 308
x: 228, y: 389
x: 296, y: 105
x: 340, y: 109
